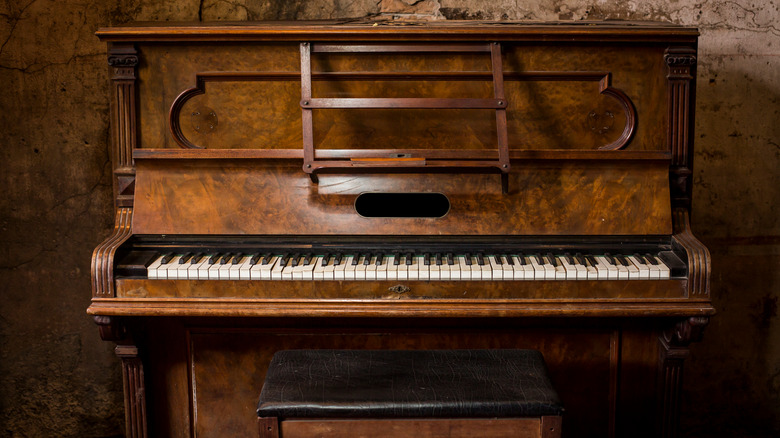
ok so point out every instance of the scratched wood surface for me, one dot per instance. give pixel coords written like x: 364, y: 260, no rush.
x: 257, y: 197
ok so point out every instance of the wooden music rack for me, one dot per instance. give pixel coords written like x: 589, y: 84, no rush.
x: 433, y: 160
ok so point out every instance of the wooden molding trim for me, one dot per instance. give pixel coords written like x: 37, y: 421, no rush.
x: 103, y: 256
x: 698, y: 255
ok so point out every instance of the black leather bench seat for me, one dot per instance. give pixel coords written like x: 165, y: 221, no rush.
x: 407, y: 383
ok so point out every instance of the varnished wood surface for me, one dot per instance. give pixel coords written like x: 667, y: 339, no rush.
x: 553, y: 93
x: 351, y: 29
x: 422, y: 428
x: 417, y: 290
x: 202, y: 197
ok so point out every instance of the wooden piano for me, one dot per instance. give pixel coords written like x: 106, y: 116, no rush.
x: 376, y: 185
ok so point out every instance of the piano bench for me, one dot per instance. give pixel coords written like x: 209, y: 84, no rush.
x: 403, y: 393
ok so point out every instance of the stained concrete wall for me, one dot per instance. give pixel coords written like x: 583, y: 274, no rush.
x: 58, y: 379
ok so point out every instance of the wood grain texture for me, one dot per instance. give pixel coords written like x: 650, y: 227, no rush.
x: 699, y: 260
x: 423, y: 428
x: 202, y: 197
x: 103, y: 255
x: 229, y: 365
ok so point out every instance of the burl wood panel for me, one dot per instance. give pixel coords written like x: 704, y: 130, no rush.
x: 261, y: 197
x: 541, y: 114
x: 228, y: 367
x: 464, y: 291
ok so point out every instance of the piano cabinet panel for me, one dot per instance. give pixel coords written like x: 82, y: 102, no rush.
x: 205, y: 380
x: 265, y: 113
x: 228, y: 197
x: 413, y: 290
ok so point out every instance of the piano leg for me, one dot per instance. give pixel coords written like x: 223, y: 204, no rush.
x: 672, y: 354
x: 132, y: 375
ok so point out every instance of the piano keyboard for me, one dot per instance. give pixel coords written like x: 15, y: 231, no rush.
x: 409, y: 266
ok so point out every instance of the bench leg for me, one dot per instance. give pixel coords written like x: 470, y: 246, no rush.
x: 551, y: 426
x: 268, y: 427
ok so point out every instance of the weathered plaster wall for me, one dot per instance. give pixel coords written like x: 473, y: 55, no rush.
x: 58, y: 379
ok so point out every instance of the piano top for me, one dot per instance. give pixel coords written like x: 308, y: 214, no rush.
x: 401, y: 30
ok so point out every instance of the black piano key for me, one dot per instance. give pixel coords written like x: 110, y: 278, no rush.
x: 569, y: 259
x: 355, y: 259
x: 213, y: 259
x: 337, y: 259
x: 408, y: 258
x: 500, y: 262
x: 578, y: 259
x: 427, y: 259
x: 468, y: 259
x: 237, y: 258
x: 438, y: 259
x: 608, y: 258
x: 197, y: 258
x: 166, y: 258
x: 254, y: 260
x: 621, y: 259
x: 450, y: 259
x: 480, y: 259
x: 538, y: 258
x: 225, y: 258
x: 183, y: 259
x: 307, y: 259
x: 520, y: 259
x: 552, y: 260
x: 325, y: 259
x: 367, y: 259
x: 266, y: 259
x: 591, y: 260
x: 284, y: 259
x: 379, y: 258
x: 294, y: 260
x: 397, y: 259
x: 651, y: 259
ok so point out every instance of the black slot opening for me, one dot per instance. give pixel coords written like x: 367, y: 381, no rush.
x: 402, y: 205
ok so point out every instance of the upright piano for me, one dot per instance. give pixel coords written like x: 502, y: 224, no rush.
x: 400, y: 185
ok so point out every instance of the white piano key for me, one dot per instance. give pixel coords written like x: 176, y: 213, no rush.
x: 560, y: 271
x: 653, y: 270
x: 371, y: 269
x: 434, y: 270
x: 277, y: 268
x: 392, y: 268
x: 549, y: 269
x: 328, y: 271
x: 508, y: 273
x: 476, y: 269
x: 448, y: 272
x: 662, y: 268
x: 182, y: 269
x: 360, y: 269
x: 338, y: 270
x: 153, y: 270
x: 402, y: 270
x: 644, y: 271
x: 193, y: 272
x: 214, y: 270
x: 591, y: 269
x: 414, y: 268
x: 424, y: 271
x: 496, y: 270
x: 463, y: 269
x: 582, y: 270
x: 317, y: 272
x: 235, y: 270
x: 304, y: 271
x: 518, y: 270
x: 612, y: 270
x: 172, y: 268
x: 487, y: 269
x: 381, y: 270
x: 569, y: 268
x: 540, y: 272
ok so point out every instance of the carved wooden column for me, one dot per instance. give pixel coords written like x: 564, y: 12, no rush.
x: 123, y: 59
x: 673, y: 352
x: 681, y: 63
x: 132, y: 374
